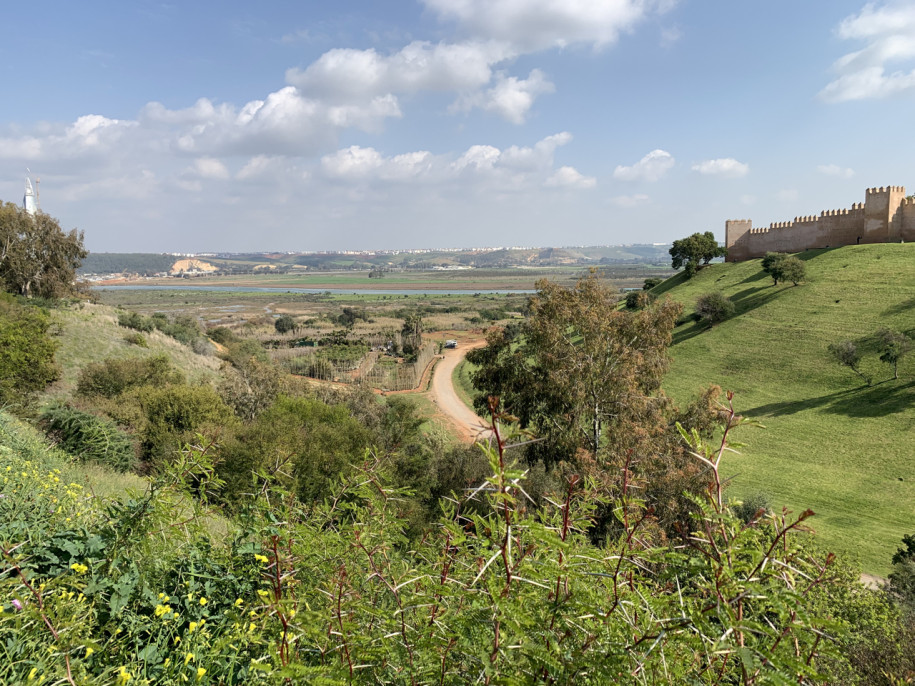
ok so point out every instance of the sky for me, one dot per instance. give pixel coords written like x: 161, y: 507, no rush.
x: 297, y: 125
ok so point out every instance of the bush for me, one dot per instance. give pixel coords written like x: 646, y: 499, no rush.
x: 784, y: 267
x: 26, y: 351
x: 638, y: 300
x: 284, y: 324
x: 87, y: 437
x: 114, y: 376
x: 714, y: 307
x: 173, y: 416
x: 651, y: 283
x: 136, y: 321
x: 136, y: 338
x: 222, y: 335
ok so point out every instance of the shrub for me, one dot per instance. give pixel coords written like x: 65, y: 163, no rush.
x: 26, y: 351
x: 784, y: 267
x: 87, y: 437
x: 136, y: 338
x: 284, y: 324
x: 222, y: 335
x: 651, y: 283
x: 714, y: 307
x: 172, y: 416
x: 637, y: 300
x: 114, y: 376
x: 136, y: 321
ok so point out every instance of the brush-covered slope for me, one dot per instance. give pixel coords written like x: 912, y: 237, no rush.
x: 87, y: 333
x: 831, y: 443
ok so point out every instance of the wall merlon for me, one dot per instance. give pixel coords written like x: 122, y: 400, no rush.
x: 886, y: 215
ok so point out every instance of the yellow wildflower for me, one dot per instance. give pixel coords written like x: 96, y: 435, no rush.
x: 200, y: 672
x: 239, y: 602
x: 188, y: 657
x: 123, y: 676
x: 78, y: 568
x: 262, y: 593
x: 33, y: 673
x: 89, y: 650
x: 203, y: 601
x: 192, y: 627
x: 162, y: 609
x: 263, y: 559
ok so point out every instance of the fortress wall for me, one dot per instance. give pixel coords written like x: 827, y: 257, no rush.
x: 884, y: 216
x: 907, y: 231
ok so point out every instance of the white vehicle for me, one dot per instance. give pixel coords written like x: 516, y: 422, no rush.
x: 451, y: 343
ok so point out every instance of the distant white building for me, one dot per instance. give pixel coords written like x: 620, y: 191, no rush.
x: 29, y: 203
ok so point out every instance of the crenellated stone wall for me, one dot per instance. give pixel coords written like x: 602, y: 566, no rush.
x: 885, y: 216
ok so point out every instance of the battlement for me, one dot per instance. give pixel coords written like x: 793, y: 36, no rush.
x: 886, y: 215
x: 885, y: 189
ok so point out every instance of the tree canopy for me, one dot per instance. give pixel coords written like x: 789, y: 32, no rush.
x: 699, y: 248
x: 36, y: 257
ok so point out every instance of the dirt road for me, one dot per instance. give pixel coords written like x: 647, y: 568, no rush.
x: 442, y: 392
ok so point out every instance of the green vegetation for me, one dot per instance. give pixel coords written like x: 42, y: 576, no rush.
x: 26, y: 351
x: 145, y: 264
x: 695, y: 250
x: 714, y: 307
x: 142, y: 587
x: 830, y: 443
x: 784, y: 267
x: 36, y: 257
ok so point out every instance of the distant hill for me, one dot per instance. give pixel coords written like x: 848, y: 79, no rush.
x: 149, y: 263
x: 832, y: 444
x: 132, y: 263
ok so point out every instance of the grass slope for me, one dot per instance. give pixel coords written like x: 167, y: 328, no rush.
x: 831, y: 443
x: 90, y: 333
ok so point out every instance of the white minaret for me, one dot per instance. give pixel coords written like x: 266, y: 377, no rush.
x: 28, y: 200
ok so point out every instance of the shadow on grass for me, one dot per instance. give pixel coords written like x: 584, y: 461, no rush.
x: 882, y: 399
x: 901, y: 308
x: 689, y: 330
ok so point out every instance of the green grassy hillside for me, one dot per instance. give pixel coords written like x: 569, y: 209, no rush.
x: 90, y: 333
x: 832, y: 444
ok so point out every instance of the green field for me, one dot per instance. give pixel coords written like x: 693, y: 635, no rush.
x: 831, y: 443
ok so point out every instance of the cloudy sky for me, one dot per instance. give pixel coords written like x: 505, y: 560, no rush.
x: 305, y: 125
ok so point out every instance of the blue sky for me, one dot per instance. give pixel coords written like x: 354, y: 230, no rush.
x: 448, y: 123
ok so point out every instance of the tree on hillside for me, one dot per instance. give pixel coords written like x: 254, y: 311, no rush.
x: 699, y: 248
x: 893, y: 347
x: 36, y: 256
x: 784, y: 267
x: 846, y: 353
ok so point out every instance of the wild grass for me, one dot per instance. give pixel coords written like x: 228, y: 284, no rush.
x: 831, y: 443
x: 90, y: 333
x: 460, y: 379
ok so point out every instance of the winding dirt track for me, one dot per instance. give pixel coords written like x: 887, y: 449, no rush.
x: 442, y: 392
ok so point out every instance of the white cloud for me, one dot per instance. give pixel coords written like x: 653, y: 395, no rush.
x: 209, y: 168
x: 651, y: 168
x: 480, y: 167
x: 726, y: 167
x: 349, y: 75
x: 889, y: 33
x: 510, y: 97
x: 787, y: 195
x: 538, y: 24
x: 569, y: 177
x: 255, y: 167
x: 836, y: 170
x: 630, y: 200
